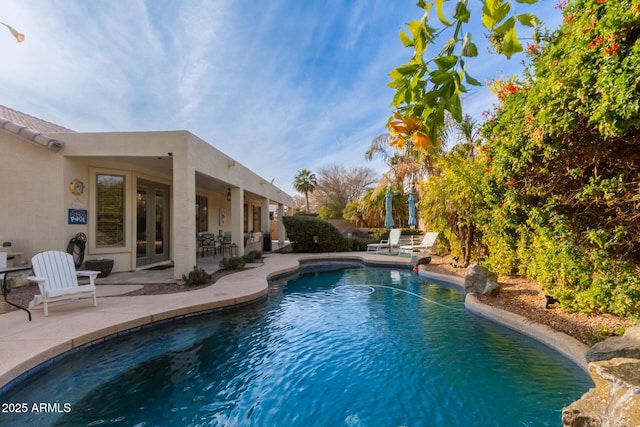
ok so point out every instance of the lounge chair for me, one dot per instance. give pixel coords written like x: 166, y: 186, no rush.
x: 428, y: 242
x: 57, y: 278
x: 393, y: 241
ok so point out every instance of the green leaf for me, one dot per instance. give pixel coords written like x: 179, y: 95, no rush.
x: 446, y: 62
x: 430, y: 100
x: 414, y: 27
x: 469, y: 49
x: 407, y: 69
x: 443, y: 19
x: 455, y: 108
x: 458, y: 82
x: 506, y: 26
x: 405, y: 39
x: 511, y: 43
x: 462, y: 13
x: 471, y: 80
x: 528, y: 19
x: 397, y: 98
x: 439, y: 77
x: 527, y: 1
x: 488, y: 8
x: 395, y: 75
x: 494, y: 11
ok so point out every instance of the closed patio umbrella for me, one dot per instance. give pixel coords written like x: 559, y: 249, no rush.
x: 388, y: 216
x: 412, y: 212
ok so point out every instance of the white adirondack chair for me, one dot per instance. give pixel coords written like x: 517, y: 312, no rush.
x: 428, y: 242
x: 57, y: 278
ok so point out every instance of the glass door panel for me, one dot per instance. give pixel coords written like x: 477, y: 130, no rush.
x: 141, y: 222
x: 160, y: 202
x: 152, y: 224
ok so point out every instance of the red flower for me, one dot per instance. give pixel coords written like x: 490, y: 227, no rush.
x: 561, y: 4
x: 529, y: 119
x: 601, y: 1
x: 511, y: 89
x: 487, y: 170
x: 501, y: 205
x: 613, y: 50
x: 489, y: 159
x: 595, y: 42
x: 510, y: 183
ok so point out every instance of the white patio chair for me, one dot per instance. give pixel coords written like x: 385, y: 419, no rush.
x: 57, y: 278
x: 428, y: 242
x: 393, y: 241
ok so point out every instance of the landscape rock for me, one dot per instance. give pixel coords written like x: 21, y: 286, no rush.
x: 627, y: 346
x: 479, y: 280
x: 615, y: 399
x: 424, y: 260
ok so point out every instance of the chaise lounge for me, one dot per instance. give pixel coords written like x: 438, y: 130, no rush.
x: 393, y: 241
x: 428, y: 242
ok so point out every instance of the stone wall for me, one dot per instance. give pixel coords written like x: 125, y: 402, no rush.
x: 615, y: 399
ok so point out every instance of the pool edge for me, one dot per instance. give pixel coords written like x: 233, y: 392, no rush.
x: 568, y: 346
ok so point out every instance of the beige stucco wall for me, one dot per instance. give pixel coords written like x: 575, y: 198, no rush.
x: 34, y: 184
x: 31, y: 208
x: 175, y: 158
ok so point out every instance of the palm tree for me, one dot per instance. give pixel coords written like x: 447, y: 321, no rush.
x: 305, y: 182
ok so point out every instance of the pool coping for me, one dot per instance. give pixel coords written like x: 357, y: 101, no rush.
x: 26, y: 345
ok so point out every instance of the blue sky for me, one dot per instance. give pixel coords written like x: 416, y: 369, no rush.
x: 279, y: 85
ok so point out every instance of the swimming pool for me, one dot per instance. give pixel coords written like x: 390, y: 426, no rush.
x: 349, y: 347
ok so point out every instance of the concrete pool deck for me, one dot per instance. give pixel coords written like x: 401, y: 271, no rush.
x: 25, y: 345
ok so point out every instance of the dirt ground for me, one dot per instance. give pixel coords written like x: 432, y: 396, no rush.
x: 518, y: 295
x: 525, y: 297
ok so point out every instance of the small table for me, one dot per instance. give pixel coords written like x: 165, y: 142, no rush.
x: 6, y: 272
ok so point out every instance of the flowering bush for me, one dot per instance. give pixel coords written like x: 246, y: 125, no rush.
x: 563, y: 187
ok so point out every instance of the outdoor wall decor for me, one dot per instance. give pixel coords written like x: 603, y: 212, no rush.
x: 77, y: 216
x: 223, y: 216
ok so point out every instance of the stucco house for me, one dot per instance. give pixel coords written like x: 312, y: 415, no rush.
x: 140, y: 197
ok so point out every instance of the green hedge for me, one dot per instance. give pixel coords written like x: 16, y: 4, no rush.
x: 302, y: 230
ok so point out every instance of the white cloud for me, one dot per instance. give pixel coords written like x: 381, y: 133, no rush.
x: 280, y: 85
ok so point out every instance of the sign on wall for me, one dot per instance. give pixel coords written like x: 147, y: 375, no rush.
x: 77, y: 216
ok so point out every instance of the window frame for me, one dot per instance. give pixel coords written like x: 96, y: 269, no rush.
x: 127, y: 222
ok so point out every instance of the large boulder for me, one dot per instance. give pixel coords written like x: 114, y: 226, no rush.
x: 615, y: 399
x: 627, y: 346
x: 479, y: 280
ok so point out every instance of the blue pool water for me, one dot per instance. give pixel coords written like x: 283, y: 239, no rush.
x: 350, y: 347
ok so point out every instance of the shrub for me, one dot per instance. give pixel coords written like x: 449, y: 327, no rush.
x: 233, y: 263
x: 252, y: 256
x: 309, y: 234
x: 196, y: 277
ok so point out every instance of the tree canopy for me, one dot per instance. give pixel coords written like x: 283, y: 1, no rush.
x: 553, y: 188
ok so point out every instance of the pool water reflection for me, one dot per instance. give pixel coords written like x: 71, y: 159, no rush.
x: 349, y: 347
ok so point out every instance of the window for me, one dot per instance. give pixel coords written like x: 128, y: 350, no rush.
x: 202, y: 217
x: 110, y: 211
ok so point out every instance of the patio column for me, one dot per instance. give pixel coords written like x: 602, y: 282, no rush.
x: 280, y: 225
x: 183, y: 224
x: 264, y: 216
x: 237, y: 218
